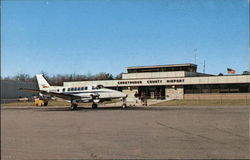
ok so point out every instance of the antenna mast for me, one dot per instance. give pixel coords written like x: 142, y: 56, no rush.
x: 195, y: 55
x: 204, y: 66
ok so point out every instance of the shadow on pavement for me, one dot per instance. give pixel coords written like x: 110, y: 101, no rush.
x: 118, y: 108
x: 114, y: 108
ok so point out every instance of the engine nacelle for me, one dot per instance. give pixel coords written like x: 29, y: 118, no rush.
x: 94, y: 95
x: 96, y: 100
x: 74, y: 101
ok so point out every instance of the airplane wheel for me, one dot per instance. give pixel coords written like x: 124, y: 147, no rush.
x: 46, y: 103
x: 73, y: 107
x: 124, y: 106
x: 94, y: 106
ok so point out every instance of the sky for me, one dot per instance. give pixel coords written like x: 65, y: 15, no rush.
x: 92, y: 36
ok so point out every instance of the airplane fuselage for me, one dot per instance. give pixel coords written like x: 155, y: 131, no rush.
x: 76, y: 94
x: 88, y: 92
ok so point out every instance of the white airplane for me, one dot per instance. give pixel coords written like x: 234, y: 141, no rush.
x: 94, y: 94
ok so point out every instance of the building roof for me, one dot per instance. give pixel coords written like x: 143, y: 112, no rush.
x: 163, y: 66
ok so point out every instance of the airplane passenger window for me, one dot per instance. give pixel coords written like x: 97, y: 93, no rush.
x: 93, y: 87
x: 99, y: 86
x: 63, y: 90
x: 86, y: 88
x: 79, y: 89
x: 68, y: 89
x: 72, y: 89
x: 82, y: 88
x: 75, y: 89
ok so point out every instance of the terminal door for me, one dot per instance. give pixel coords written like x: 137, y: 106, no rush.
x: 152, y: 92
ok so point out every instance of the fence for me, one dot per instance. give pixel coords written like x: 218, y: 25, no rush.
x: 5, y: 101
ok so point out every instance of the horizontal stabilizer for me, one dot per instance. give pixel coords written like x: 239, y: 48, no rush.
x: 60, y: 95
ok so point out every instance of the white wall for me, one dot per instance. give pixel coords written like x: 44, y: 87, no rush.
x: 164, y: 81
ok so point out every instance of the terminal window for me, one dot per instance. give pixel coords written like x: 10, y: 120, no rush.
x: 217, y: 88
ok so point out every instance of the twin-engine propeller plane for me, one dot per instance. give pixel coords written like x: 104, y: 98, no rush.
x: 94, y: 94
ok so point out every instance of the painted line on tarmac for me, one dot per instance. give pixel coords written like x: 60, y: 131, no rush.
x: 189, y: 133
x: 228, y: 132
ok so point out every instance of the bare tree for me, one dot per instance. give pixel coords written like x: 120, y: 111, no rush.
x: 119, y: 76
x: 60, y: 78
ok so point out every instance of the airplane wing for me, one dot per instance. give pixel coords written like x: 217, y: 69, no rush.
x: 60, y: 95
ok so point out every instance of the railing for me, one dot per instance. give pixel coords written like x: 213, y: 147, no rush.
x: 11, y: 100
x: 5, y: 101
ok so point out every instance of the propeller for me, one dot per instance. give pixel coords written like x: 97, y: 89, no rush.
x: 95, y: 95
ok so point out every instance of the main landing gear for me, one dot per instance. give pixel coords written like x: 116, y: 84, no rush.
x: 94, y: 105
x: 73, y: 105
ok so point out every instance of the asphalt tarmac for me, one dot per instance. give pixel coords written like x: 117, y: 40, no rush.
x: 133, y: 133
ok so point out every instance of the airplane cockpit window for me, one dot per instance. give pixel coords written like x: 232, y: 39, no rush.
x: 99, y: 86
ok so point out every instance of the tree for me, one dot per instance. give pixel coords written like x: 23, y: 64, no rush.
x: 103, y: 76
x: 246, y: 73
x: 23, y: 77
x: 60, y: 78
x: 119, y: 76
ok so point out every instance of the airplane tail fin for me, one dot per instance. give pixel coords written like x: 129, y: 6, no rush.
x: 42, y: 83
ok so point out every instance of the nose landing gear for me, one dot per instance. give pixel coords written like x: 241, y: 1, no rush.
x: 124, y: 105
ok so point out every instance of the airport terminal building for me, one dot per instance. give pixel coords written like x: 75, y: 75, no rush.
x: 178, y: 81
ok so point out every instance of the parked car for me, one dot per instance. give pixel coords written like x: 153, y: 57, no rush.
x: 22, y: 99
